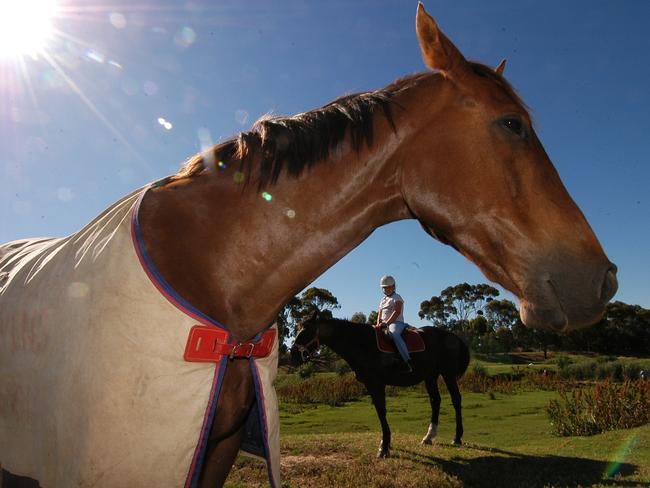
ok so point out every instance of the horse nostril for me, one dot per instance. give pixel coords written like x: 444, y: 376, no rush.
x: 610, y: 284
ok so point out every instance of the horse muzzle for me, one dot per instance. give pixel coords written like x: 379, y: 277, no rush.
x: 566, y: 302
x: 299, y: 355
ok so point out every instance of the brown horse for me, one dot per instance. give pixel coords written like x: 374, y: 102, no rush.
x: 417, y: 149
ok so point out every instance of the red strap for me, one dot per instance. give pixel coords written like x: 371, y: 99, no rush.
x: 210, y: 344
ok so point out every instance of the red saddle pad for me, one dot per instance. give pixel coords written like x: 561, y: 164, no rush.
x: 411, y: 337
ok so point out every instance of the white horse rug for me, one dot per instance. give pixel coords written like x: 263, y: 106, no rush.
x: 94, y: 387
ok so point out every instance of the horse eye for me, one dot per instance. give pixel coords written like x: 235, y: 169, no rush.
x: 514, y: 125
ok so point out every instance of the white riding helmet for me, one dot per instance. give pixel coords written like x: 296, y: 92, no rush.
x: 387, y: 280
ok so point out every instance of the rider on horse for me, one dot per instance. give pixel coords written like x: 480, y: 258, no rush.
x: 391, y: 315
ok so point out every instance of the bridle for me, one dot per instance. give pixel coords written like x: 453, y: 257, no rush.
x: 303, y: 349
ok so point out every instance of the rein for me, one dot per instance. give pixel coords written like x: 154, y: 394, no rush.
x: 304, y: 348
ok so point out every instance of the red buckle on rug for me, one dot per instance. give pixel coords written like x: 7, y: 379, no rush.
x: 210, y: 344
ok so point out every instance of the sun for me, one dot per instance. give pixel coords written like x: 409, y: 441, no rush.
x: 25, y: 27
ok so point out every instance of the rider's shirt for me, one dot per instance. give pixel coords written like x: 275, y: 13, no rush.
x: 387, y: 307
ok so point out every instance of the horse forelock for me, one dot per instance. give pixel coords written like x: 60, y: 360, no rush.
x: 484, y: 71
x: 296, y: 143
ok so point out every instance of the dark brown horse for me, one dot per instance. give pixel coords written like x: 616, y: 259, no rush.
x: 445, y: 355
x: 417, y: 149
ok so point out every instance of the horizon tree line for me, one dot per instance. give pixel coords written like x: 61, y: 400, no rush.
x: 492, y: 325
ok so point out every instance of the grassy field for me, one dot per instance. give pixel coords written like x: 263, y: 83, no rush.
x: 507, y: 443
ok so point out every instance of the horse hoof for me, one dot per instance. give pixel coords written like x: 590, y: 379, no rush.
x: 456, y: 442
x: 383, y: 454
x: 426, y: 442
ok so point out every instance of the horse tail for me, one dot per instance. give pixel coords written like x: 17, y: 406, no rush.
x: 463, y: 358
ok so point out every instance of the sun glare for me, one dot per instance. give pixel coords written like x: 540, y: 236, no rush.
x: 25, y: 27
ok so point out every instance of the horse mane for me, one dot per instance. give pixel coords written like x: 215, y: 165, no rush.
x: 303, y: 140
x: 300, y: 141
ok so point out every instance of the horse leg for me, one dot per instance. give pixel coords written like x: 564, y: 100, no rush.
x: 235, y: 401
x: 378, y: 395
x: 452, y: 387
x: 431, y: 382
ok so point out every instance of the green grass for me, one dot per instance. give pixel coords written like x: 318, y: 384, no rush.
x: 508, y: 443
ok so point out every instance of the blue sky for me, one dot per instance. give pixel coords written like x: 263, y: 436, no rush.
x: 84, y: 123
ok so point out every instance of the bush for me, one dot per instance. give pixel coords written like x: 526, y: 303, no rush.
x: 330, y: 390
x: 610, y: 370
x: 342, y: 367
x: 478, y: 369
x: 633, y: 370
x: 563, y: 362
x: 584, y: 370
x: 603, y: 368
x: 476, y: 380
x: 307, y: 370
x: 607, y: 406
x: 605, y: 359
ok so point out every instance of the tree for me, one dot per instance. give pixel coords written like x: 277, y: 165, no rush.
x: 627, y: 328
x: 501, y: 314
x: 437, y: 311
x: 457, y: 304
x: 522, y: 336
x: 544, y: 339
x: 299, y: 307
x: 506, y: 338
x: 479, y: 326
x: 359, y: 318
x: 372, y: 317
x: 624, y: 330
x: 285, y: 322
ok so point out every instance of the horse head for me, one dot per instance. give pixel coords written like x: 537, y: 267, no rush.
x: 307, y: 341
x: 475, y: 175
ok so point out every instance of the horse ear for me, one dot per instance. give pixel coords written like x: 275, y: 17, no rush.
x: 438, y: 51
x: 502, y: 65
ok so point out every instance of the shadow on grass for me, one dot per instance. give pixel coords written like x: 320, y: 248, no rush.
x: 515, y: 470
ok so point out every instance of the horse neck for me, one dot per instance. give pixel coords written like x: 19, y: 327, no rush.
x: 337, y: 336
x: 238, y: 257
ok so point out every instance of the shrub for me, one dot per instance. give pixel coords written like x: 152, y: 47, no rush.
x: 605, y: 359
x: 633, y: 370
x: 563, y: 362
x: 607, y: 406
x: 330, y: 390
x: 600, y: 369
x: 476, y: 380
x: 478, y: 369
x: 584, y: 370
x: 307, y: 370
x: 613, y: 370
x: 342, y: 367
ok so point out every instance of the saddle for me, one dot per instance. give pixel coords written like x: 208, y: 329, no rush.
x: 411, y: 336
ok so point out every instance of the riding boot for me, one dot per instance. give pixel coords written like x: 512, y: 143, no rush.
x: 407, y: 367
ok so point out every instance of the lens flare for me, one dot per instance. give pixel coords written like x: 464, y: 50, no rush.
x: 185, y: 37
x: 165, y: 123
x: 267, y: 196
x: 117, y: 20
x: 623, y: 452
